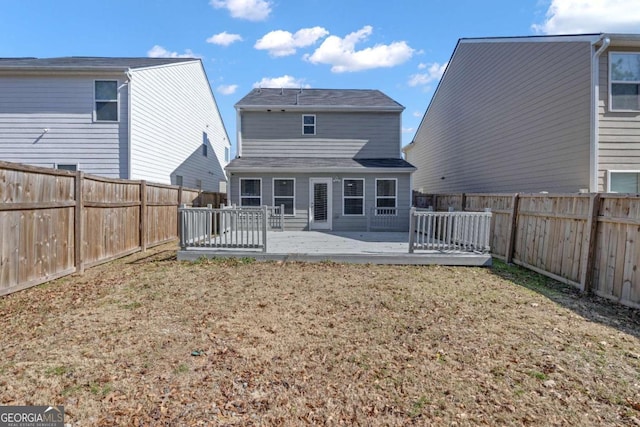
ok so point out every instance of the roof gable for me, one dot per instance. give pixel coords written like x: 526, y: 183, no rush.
x: 87, y: 63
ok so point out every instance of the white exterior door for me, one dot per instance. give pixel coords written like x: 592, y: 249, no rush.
x: 320, y: 204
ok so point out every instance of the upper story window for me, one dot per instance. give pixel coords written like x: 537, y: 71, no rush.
x: 308, y: 124
x: 624, y: 81
x: 227, y: 154
x: 106, y: 101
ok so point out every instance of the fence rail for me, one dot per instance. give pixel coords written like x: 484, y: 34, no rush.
x: 54, y: 223
x: 449, y: 231
x: 224, y: 228
x: 590, y: 241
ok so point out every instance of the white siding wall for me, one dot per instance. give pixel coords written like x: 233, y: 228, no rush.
x: 619, y: 133
x: 64, y: 106
x: 508, y: 117
x: 172, y: 112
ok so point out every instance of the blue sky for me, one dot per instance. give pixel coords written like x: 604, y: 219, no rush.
x: 399, y: 47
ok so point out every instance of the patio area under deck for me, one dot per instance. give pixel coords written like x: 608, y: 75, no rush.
x: 344, y: 247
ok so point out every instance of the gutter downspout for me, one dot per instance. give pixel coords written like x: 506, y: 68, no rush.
x: 595, y: 126
x: 130, y: 77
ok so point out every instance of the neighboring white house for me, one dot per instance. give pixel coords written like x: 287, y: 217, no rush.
x: 135, y: 118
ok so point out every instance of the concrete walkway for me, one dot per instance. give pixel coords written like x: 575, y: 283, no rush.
x: 348, y: 247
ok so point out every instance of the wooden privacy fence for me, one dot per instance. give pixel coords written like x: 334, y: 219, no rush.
x: 591, y: 241
x: 449, y: 231
x: 224, y: 228
x: 54, y: 223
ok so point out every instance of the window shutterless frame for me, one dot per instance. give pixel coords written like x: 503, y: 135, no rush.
x: 387, y: 200
x: 104, y: 101
x: 624, y: 81
x: 353, y: 196
x: 249, y: 196
x: 73, y: 167
x: 626, y: 171
x: 278, y: 198
x: 308, y: 124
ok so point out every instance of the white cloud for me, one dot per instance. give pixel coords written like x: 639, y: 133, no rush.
x: 283, y: 43
x: 251, y: 10
x: 590, y: 16
x: 285, y: 81
x: 227, y: 89
x: 342, y: 55
x: 224, y: 39
x: 422, y: 66
x: 418, y: 114
x: 158, y: 51
x: 434, y: 72
x: 407, y: 130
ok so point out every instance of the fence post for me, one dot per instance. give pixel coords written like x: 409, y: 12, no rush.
x: 79, y: 224
x: 587, y: 258
x: 264, y: 228
x: 412, y: 229
x: 463, y: 202
x: 511, y: 231
x: 143, y: 215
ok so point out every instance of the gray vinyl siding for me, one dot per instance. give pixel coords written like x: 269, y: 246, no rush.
x: 508, y: 116
x: 64, y: 106
x: 619, y: 132
x: 338, y: 134
x: 340, y: 222
x: 173, y: 114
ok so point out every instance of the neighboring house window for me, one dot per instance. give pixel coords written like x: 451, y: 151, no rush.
x: 386, y: 196
x: 624, y: 181
x: 226, y: 154
x: 308, y: 124
x: 106, y: 100
x: 624, y: 80
x: 179, y: 180
x: 67, y: 167
x: 250, y: 192
x: 284, y: 193
x: 199, y: 184
x: 353, y: 196
x: 205, y: 150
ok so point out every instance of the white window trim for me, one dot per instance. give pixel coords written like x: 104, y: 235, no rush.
x: 273, y: 194
x: 364, y: 209
x: 386, y: 197
x: 611, y: 53
x: 117, y: 101
x: 240, y: 190
x: 314, y: 124
x: 610, y: 171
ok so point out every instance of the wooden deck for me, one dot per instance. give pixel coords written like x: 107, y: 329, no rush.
x: 345, y: 247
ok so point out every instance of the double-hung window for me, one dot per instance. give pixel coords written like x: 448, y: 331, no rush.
x: 624, y: 81
x: 308, y: 124
x: 250, y: 192
x: 386, y: 196
x: 106, y: 100
x: 353, y: 196
x: 623, y: 181
x: 284, y: 193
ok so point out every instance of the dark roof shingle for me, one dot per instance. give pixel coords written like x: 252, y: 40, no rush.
x: 269, y: 97
x: 284, y: 163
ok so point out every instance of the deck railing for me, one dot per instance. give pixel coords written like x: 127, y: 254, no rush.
x: 449, y: 231
x: 387, y: 219
x: 224, y: 228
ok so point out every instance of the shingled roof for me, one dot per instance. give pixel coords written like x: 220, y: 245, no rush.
x: 329, y: 98
x: 86, y: 63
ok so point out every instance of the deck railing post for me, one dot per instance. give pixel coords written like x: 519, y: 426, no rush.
x: 264, y: 228
x: 282, y: 217
x: 182, y: 226
x: 412, y: 228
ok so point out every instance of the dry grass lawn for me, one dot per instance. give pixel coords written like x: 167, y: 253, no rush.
x: 148, y: 340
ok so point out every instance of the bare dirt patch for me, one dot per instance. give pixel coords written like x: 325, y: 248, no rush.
x: 148, y: 340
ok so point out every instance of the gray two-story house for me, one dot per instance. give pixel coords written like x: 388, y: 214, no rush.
x: 331, y: 157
